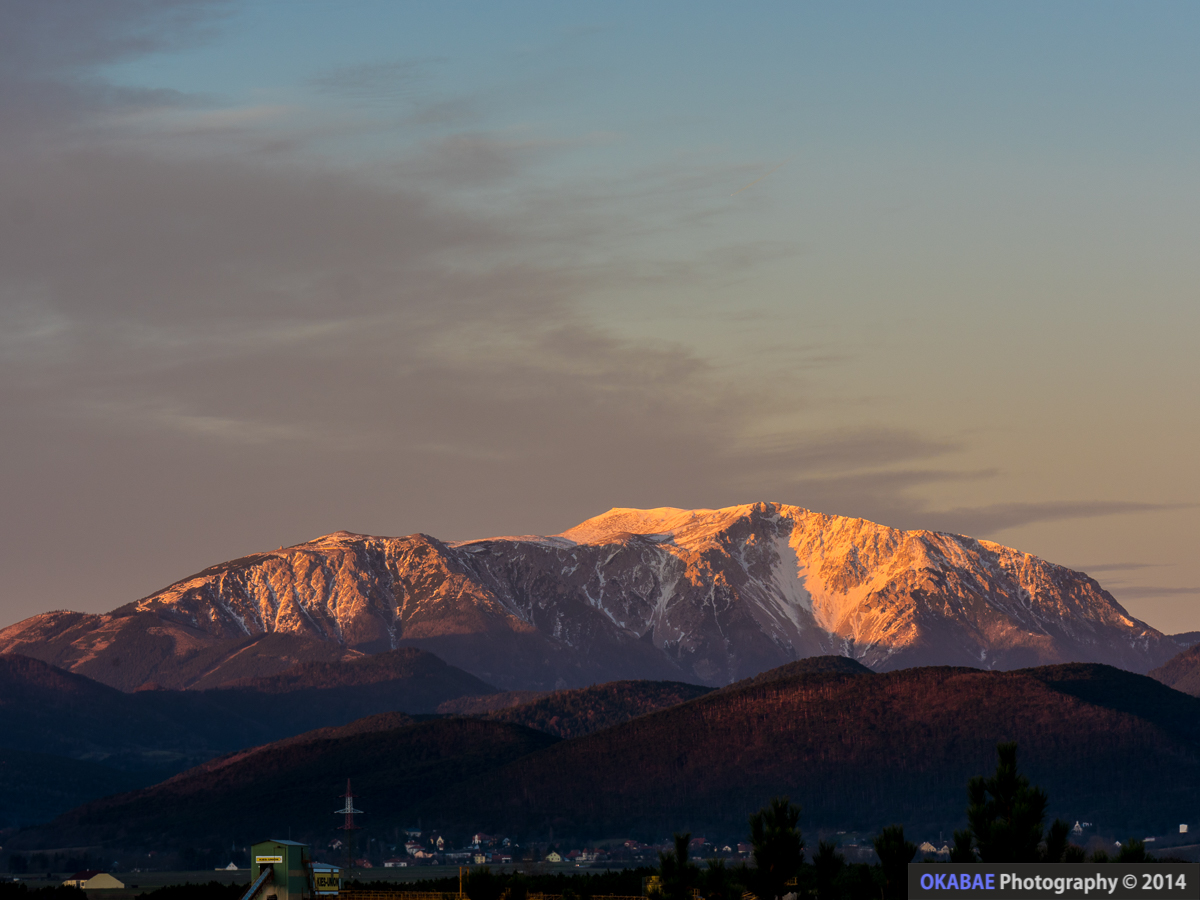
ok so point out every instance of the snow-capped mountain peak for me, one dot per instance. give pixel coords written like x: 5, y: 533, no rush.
x: 707, y: 595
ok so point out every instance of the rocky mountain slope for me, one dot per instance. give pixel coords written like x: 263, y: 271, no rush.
x: 706, y: 596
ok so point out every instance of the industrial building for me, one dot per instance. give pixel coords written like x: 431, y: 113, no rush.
x: 284, y: 870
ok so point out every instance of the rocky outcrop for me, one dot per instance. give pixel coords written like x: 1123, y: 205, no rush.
x: 709, y: 596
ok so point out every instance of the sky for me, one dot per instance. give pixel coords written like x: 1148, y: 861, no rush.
x: 273, y: 269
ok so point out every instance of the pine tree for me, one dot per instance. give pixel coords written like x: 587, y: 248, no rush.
x: 827, y: 865
x: 680, y: 876
x: 778, y: 847
x: 1134, y: 850
x: 1006, y: 819
x: 719, y: 882
x: 895, y: 853
x: 963, y: 849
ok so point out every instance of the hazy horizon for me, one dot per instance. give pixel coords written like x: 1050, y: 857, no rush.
x: 270, y: 270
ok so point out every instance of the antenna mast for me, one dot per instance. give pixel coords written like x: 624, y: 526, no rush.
x: 349, y: 827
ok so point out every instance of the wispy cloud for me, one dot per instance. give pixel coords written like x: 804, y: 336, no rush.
x: 993, y: 518
x: 1120, y: 567
x: 388, y: 82
x: 195, y: 304
x: 1151, y: 590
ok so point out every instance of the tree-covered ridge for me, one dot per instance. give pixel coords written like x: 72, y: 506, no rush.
x: 1181, y: 672
x: 569, y: 714
x: 857, y: 752
x: 101, y: 740
x: 294, y: 785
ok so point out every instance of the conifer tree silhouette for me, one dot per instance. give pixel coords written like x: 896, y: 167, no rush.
x: 680, y: 876
x: 895, y: 853
x: 778, y: 847
x: 1006, y: 819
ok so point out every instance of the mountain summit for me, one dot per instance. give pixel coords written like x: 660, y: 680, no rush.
x: 695, y: 595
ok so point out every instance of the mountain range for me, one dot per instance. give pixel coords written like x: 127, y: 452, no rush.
x: 698, y: 596
x: 66, y: 739
x: 856, y: 749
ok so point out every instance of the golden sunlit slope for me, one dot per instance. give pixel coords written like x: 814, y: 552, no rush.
x: 709, y: 596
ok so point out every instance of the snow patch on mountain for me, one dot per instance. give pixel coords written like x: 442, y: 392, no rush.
x: 707, y: 595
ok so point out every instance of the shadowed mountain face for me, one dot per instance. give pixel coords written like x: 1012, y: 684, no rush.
x: 859, y: 752
x: 706, y: 596
x: 45, y: 709
x: 1181, y: 672
x: 575, y: 713
x: 856, y: 750
x: 296, y: 784
x: 131, y: 650
x: 102, y: 740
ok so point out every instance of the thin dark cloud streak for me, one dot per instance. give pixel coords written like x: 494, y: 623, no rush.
x: 993, y: 518
x: 383, y: 83
x: 1151, y: 590
x: 61, y: 41
x: 1121, y: 567
x: 49, y: 53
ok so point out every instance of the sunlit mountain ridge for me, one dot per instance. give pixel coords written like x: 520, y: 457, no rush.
x: 708, y: 596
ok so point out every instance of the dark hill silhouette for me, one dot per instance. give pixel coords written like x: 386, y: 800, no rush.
x: 257, y: 656
x: 1141, y: 696
x: 295, y: 785
x: 1181, y: 672
x: 60, y: 717
x: 45, y: 709
x: 35, y: 787
x: 857, y: 751
x: 814, y: 665
x: 478, y: 706
x: 575, y: 713
x: 314, y: 694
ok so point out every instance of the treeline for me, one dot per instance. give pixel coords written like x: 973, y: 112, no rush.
x: 1006, y: 817
x: 853, y: 750
x: 213, y: 890
x: 569, y: 714
x: 484, y: 884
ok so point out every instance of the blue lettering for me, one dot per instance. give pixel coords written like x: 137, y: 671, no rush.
x: 940, y: 882
x: 926, y: 881
x: 991, y: 882
x: 978, y: 883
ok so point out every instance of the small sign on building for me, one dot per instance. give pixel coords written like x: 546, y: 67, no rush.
x: 326, y: 879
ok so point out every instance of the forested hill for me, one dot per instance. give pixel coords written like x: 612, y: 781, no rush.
x: 861, y: 751
x: 576, y: 713
x: 294, y: 785
x: 856, y: 750
x: 1182, y: 672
